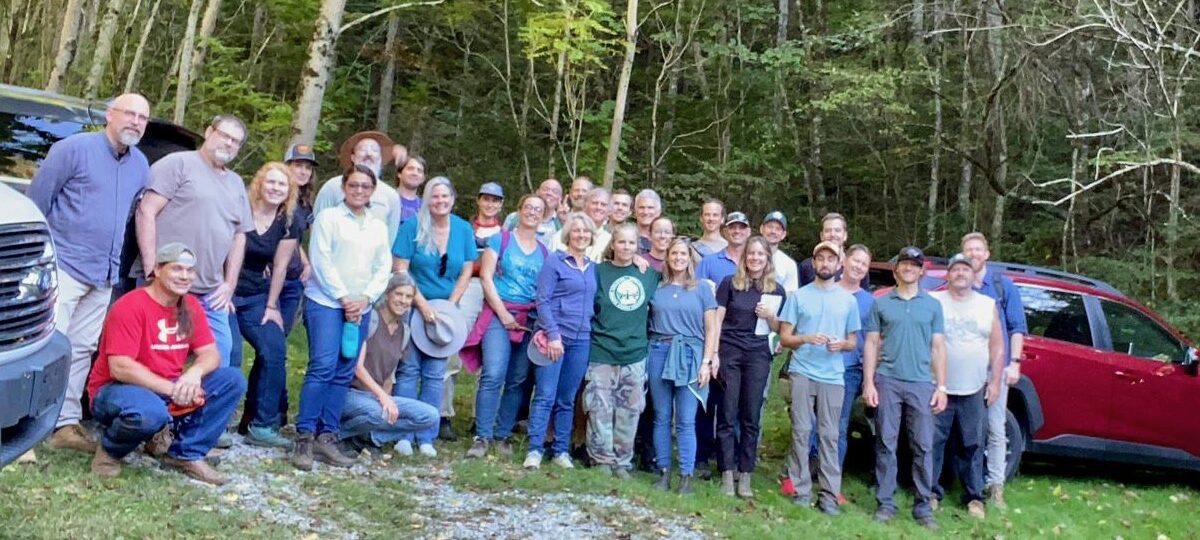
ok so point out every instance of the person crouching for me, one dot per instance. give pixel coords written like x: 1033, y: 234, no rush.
x: 139, y: 384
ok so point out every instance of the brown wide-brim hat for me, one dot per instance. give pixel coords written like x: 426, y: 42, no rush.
x: 385, y: 146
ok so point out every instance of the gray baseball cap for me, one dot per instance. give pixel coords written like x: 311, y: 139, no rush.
x: 175, y: 252
x: 493, y: 189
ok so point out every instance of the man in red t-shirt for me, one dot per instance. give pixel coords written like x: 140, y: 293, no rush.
x: 139, y: 385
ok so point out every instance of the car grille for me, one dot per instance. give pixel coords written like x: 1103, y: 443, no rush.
x: 28, y: 285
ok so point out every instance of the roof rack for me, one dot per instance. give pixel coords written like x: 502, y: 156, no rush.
x: 1035, y: 271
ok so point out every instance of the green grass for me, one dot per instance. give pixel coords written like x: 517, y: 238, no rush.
x: 58, y: 498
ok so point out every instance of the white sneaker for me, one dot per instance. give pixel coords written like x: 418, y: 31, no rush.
x: 404, y: 448
x: 564, y: 461
x: 427, y: 450
x: 533, y: 460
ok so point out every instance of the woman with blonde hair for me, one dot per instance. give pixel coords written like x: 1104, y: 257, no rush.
x: 269, y: 249
x: 744, y: 361
x: 684, y: 332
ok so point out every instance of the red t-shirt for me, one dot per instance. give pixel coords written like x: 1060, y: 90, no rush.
x: 139, y: 327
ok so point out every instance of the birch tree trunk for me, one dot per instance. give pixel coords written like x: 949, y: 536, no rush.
x: 935, y: 162
x: 560, y: 69
x: 208, y: 25
x: 136, y: 64
x: 997, y: 132
x: 103, y: 52
x: 8, y: 23
x: 966, y: 169
x: 314, y: 78
x: 186, y: 51
x: 387, y: 80
x: 68, y: 40
x: 614, y: 136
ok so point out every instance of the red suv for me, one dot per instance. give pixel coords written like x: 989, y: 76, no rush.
x: 1102, y: 377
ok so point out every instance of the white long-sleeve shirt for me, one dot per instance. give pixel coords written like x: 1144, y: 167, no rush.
x: 350, y: 255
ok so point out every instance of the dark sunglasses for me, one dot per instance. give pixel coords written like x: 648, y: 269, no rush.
x: 442, y: 265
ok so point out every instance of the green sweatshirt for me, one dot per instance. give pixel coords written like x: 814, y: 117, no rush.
x: 622, y: 309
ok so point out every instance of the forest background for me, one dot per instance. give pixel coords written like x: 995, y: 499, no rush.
x: 1063, y: 129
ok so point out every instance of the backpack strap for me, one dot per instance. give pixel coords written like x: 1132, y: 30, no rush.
x: 998, y: 287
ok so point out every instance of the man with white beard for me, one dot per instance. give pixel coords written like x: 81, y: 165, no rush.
x: 78, y: 173
x: 195, y: 199
x: 366, y: 148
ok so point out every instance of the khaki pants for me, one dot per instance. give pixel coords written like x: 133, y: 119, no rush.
x: 79, y: 315
x: 824, y: 402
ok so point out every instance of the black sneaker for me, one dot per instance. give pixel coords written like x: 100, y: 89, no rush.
x: 883, y: 515
x: 446, y: 431
x: 829, y: 508
x: 929, y: 523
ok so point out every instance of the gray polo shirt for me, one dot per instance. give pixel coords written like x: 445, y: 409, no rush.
x: 204, y: 210
x: 86, y: 191
x: 907, y: 328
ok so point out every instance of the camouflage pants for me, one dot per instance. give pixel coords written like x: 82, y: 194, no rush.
x: 614, y: 399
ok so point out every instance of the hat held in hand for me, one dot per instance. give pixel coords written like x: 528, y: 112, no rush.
x: 445, y: 335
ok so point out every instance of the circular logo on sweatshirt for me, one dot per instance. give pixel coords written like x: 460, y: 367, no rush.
x: 627, y: 293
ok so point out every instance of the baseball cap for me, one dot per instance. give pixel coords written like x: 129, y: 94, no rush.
x: 958, y: 258
x: 300, y: 152
x: 776, y: 215
x: 737, y: 217
x: 911, y: 253
x: 836, y: 249
x: 493, y: 189
x: 175, y: 252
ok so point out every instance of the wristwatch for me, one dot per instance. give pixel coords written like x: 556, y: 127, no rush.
x: 942, y: 388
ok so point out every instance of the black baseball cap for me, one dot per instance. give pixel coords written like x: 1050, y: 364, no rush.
x: 911, y: 253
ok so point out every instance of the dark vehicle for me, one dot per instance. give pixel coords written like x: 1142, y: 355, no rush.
x: 34, y: 358
x: 1103, y: 377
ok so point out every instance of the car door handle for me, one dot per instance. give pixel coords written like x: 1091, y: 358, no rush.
x: 1133, y: 379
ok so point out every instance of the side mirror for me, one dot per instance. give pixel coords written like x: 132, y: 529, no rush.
x: 1191, y: 361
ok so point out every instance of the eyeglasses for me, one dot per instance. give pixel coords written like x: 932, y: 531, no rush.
x: 227, y: 137
x: 358, y: 186
x: 442, y: 265
x: 132, y: 115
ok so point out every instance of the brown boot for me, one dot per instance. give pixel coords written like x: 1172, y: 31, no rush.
x: 727, y: 487
x: 72, y: 437
x: 196, y: 470
x: 158, y: 445
x: 302, y: 454
x: 104, y: 465
x: 743, y: 486
x: 326, y: 451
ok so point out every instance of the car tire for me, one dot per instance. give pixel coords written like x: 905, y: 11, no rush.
x: 1016, y: 445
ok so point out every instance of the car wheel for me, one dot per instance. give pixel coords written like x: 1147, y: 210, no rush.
x: 1016, y: 445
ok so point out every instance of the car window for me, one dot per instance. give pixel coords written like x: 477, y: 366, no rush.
x: 1056, y: 315
x: 1135, y: 334
x: 24, y: 141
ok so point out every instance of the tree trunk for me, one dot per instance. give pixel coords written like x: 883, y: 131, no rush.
x: 187, y: 49
x: 997, y: 231
x: 614, y: 136
x: 103, y: 51
x: 560, y: 68
x: 997, y: 130
x: 1173, y: 215
x: 68, y: 40
x: 136, y: 64
x: 314, y: 78
x: 781, y: 35
x: 208, y: 25
x: 938, y: 54
x: 966, y: 168
x: 387, y: 81
x: 7, y: 25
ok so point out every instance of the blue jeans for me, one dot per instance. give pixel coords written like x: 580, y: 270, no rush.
x: 130, y: 415
x: 289, y: 302
x: 269, y: 374
x: 500, y: 355
x: 671, y: 401
x: 329, y: 373
x: 516, y: 391
x: 853, y: 378
x: 363, y: 415
x: 218, y: 322
x: 554, y: 395
x: 420, y: 369
x: 966, y: 417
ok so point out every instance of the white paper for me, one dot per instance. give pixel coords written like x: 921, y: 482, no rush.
x: 772, y: 301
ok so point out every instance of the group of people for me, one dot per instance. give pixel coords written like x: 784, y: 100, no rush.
x: 666, y: 342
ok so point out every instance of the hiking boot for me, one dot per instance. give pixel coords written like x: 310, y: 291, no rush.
x: 504, y: 448
x: 446, y: 431
x: 884, y: 515
x: 225, y: 441
x: 302, y: 454
x: 975, y: 510
x: 427, y: 450
x: 829, y: 508
x: 685, y: 484
x: 72, y: 437
x: 929, y: 523
x: 479, y: 448
x: 326, y: 451
x: 267, y: 437
x: 935, y: 504
x: 104, y: 465
x: 533, y: 460
x: 664, y: 480
x: 158, y: 445
x: 727, y: 485
x: 196, y: 470
x: 743, y: 486
x: 622, y: 473
x: 996, y: 497
x: 563, y: 461
x: 403, y: 448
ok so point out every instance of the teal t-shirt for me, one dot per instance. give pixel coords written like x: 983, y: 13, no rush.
x: 517, y: 272
x: 907, y: 328
x: 622, y: 309
x: 434, y: 280
x: 816, y: 310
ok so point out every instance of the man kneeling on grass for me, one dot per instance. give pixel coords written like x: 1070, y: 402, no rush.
x: 139, y: 385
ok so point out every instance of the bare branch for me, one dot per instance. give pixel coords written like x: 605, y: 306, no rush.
x: 384, y: 11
